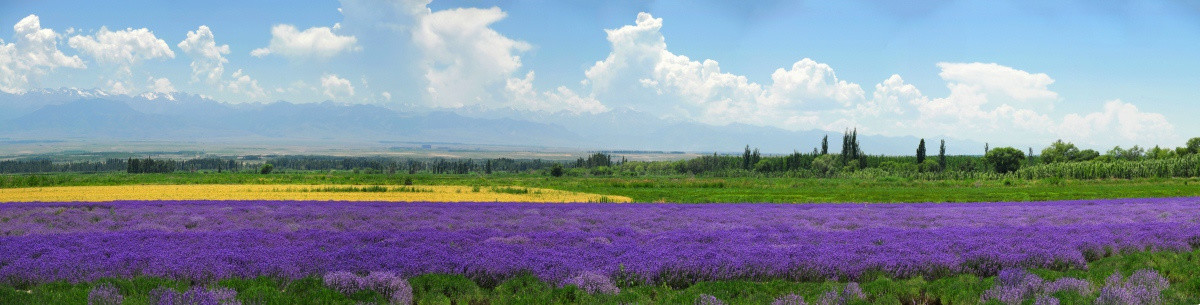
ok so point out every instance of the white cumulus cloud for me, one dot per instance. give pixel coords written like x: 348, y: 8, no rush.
x: 463, y: 56
x: 523, y: 96
x: 161, y: 85
x: 243, y: 84
x: 1014, y: 83
x: 208, y: 58
x: 985, y: 100
x: 123, y: 48
x: 33, y: 54
x: 314, y: 42
x: 1117, y: 118
x: 641, y: 73
x: 335, y: 87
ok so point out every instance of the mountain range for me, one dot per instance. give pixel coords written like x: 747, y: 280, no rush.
x: 71, y: 114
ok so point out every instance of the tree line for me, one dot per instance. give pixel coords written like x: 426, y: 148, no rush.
x: 1059, y: 159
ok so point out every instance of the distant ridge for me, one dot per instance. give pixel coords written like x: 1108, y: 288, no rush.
x: 94, y: 115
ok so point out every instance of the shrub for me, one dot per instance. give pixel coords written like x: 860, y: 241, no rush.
x: 705, y: 299
x: 105, y: 294
x: 593, y: 282
x: 397, y: 290
x: 194, y: 296
x: 790, y: 299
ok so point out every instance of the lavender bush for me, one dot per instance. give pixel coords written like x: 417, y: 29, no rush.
x: 105, y: 294
x: 850, y: 292
x: 790, y: 299
x: 593, y: 282
x: 194, y: 296
x: 705, y: 299
x: 395, y: 288
x: 205, y: 240
x: 1014, y: 286
x: 1143, y: 287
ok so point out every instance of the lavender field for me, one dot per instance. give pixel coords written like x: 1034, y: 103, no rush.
x: 668, y: 244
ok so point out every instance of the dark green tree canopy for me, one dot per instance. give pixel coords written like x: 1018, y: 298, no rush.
x: 1193, y: 145
x: 1004, y: 159
x: 1060, y: 151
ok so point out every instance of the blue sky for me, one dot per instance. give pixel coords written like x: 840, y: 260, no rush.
x: 1098, y: 73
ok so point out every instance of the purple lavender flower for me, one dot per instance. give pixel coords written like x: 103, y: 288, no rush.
x: 344, y: 282
x: 1145, y: 286
x: 831, y: 297
x: 654, y: 243
x: 705, y: 299
x: 790, y: 299
x: 853, y: 292
x: 1014, y: 286
x: 1082, y: 287
x: 1148, y: 278
x: 1116, y: 295
x: 105, y: 294
x: 593, y: 282
x: 194, y: 296
x: 1045, y: 300
x: 384, y: 282
x: 389, y: 284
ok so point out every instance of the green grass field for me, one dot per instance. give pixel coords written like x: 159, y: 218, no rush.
x: 682, y: 189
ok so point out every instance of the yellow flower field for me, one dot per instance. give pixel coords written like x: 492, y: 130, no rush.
x: 432, y: 193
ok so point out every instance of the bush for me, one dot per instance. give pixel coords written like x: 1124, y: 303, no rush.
x: 556, y: 170
x: 266, y: 169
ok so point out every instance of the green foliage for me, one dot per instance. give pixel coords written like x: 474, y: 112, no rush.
x: 510, y: 190
x: 921, y: 152
x: 1132, y: 154
x: 556, y: 170
x: 595, y: 160
x: 1193, y: 146
x: 369, y: 189
x: 1004, y: 159
x: 1087, y: 155
x: 266, y: 169
x: 825, y: 165
x: 1160, y: 153
x: 825, y: 145
x: 942, y: 156
x: 930, y: 166
x: 1060, y: 151
x: 148, y: 165
x: 445, y: 289
x: 1102, y: 168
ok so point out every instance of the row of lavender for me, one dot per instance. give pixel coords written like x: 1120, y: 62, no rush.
x: 42, y: 242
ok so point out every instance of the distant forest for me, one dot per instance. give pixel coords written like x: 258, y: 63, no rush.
x: 1058, y: 160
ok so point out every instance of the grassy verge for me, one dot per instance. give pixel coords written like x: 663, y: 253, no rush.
x: 685, y: 189
x: 1182, y: 270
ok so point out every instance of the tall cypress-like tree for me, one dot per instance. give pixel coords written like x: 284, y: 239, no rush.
x: 845, y: 156
x: 825, y: 145
x: 942, y: 155
x: 921, y: 152
x: 754, y: 158
x: 746, y: 158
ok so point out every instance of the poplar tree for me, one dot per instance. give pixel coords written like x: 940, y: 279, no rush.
x: 942, y: 155
x: 825, y: 145
x: 921, y: 152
